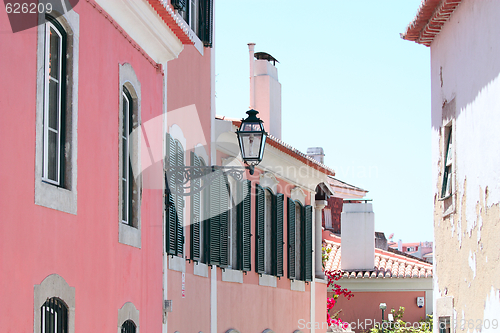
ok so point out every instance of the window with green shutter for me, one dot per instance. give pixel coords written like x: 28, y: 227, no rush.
x: 244, y: 223
x: 260, y: 248
x: 277, y: 230
x: 174, y: 230
x: 291, y: 238
x: 307, y: 249
x: 196, y: 212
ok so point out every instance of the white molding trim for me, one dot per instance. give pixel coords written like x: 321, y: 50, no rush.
x: 126, y: 312
x: 231, y: 275
x: 267, y: 280
x: 145, y: 27
x: 297, y: 194
x: 53, y: 286
x: 201, y: 152
x: 177, y: 264
x: 297, y: 285
x: 176, y: 133
x: 267, y: 179
x: 200, y: 269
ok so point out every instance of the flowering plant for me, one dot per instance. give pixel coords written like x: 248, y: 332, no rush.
x: 333, y: 277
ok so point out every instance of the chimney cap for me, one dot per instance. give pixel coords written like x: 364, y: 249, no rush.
x: 266, y: 56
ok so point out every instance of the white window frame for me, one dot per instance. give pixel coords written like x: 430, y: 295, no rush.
x: 46, y: 124
x: 49, y: 193
x: 130, y: 232
x: 125, y: 149
x: 128, y: 312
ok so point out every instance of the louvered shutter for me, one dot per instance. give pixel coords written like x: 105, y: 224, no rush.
x: 260, y: 226
x: 213, y: 231
x: 277, y: 229
x: 195, y: 211
x: 291, y: 239
x: 206, y: 22
x: 179, y: 200
x: 170, y: 214
x: 224, y: 221
x: 179, y: 5
x: 244, y: 226
x: 307, y: 244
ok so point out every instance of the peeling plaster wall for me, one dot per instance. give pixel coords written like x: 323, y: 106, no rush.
x: 465, y: 83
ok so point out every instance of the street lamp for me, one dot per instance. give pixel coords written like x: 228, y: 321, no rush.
x: 383, y: 306
x: 252, y: 140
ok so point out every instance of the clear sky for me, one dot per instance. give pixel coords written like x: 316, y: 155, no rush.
x: 351, y: 85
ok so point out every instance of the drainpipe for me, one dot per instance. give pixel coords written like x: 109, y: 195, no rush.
x: 252, y: 78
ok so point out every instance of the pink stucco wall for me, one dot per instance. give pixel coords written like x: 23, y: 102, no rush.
x: 365, y: 306
x: 82, y: 248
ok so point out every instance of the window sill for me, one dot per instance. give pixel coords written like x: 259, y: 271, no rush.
x: 231, y: 275
x: 54, y: 197
x: 267, y: 280
x: 296, y: 285
x: 129, y: 235
x: 177, y: 264
x: 200, y: 269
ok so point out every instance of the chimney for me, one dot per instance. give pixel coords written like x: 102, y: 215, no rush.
x: 317, y: 153
x: 265, y: 90
x: 357, y: 236
x: 381, y: 241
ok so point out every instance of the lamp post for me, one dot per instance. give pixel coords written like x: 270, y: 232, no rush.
x: 252, y: 140
x: 383, y: 306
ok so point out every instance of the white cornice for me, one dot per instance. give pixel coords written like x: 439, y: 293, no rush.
x: 145, y: 27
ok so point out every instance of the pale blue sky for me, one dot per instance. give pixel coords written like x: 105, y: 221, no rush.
x: 351, y: 85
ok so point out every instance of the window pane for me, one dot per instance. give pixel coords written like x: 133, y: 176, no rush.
x: 124, y: 158
x: 125, y: 115
x: 53, y: 154
x: 54, y: 53
x: 124, y: 201
x: 53, y: 105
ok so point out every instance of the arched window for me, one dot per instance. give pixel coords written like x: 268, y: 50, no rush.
x: 130, y: 178
x: 54, y: 316
x: 128, y: 327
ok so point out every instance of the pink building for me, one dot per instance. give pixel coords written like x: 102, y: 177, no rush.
x: 99, y: 104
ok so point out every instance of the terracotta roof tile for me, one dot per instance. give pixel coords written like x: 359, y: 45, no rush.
x: 430, y: 18
x: 387, y: 264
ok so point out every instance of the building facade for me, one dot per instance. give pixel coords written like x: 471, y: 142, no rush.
x: 465, y: 68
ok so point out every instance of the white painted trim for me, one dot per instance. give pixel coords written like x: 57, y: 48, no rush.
x: 268, y: 280
x: 198, y: 44
x: 213, y: 300
x: 297, y: 194
x: 201, y: 152
x: 49, y: 195
x: 177, y: 264
x: 200, y: 269
x: 386, y: 284
x: 176, y: 133
x: 53, y: 286
x: 126, y: 312
x: 297, y: 285
x: 267, y: 179
x: 146, y: 27
x: 231, y: 275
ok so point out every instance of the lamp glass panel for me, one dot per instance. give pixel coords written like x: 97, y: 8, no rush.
x: 250, y: 144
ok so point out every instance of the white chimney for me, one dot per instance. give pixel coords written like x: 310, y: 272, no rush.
x: 357, y: 236
x: 317, y: 153
x: 265, y: 90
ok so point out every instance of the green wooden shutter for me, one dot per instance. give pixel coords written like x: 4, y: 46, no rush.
x: 260, y: 226
x: 179, y: 200
x: 179, y: 5
x: 170, y: 214
x: 277, y: 229
x: 291, y: 238
x: 195, y: 212
x: 224, y: 221
x: 307, y: 244
x: 213, y: 231
x: 244, y: 226
x: 206, y: 22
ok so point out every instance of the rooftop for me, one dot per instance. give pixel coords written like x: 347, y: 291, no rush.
x: 388, y: 264
x: 430, y: 19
